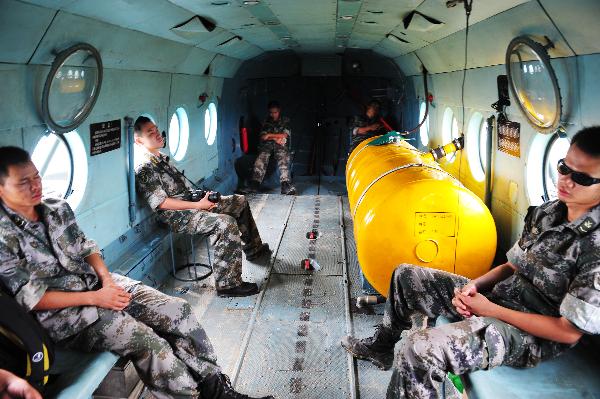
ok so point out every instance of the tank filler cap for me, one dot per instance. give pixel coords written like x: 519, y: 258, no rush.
x: 427, y: 250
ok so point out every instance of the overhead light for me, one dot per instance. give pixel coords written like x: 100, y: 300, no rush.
x: 346, y: 17
x: 286, y: 38
x: 395, y: 38
x: 251, y: 2
x: 272, y: 22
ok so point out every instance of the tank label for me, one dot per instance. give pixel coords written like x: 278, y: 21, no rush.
x: 435, y: 224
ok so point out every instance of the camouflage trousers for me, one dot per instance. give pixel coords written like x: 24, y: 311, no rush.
x: 159, y: 334
x: 282, y: 156
x: 425, y: 356
x: 231, y: 228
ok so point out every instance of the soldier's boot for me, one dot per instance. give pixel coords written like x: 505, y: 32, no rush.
x: 287, y: 188
x: 244, y: 289
x: 218, y: 386
x: 378, y: 349
x: 262, y: 251
x: 252, y: 187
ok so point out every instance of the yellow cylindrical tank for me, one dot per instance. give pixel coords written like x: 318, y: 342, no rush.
x: 407, y: 209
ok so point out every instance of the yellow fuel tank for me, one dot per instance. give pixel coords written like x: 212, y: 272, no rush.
x: 407, y: 209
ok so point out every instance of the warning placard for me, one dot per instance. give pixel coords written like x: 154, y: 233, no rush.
x: 105, y: 137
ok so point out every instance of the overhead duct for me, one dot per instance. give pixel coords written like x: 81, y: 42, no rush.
x: 193, y: 27
x: 415, y: 21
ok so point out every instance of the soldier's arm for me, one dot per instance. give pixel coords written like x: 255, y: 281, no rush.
x: 175, y: 204
x: 491, y: 278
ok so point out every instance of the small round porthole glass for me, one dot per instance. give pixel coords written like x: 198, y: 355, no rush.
x: 72, y: 87
x: 533, y: 83
x: 556, y: 150
x: 55, y: 157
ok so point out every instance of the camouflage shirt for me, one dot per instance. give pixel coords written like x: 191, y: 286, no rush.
x: 362, y: 121
x: 281, y: 125
x: 158, y: 179
x: 47, y: 255
x: 558, y: 267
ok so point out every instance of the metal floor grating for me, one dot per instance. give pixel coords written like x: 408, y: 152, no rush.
x: 286, y: 340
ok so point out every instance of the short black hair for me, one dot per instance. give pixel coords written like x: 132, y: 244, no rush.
x: 10, y: 156
x: 588, y: 140
x: 273, y: 104
x: 139, y: 123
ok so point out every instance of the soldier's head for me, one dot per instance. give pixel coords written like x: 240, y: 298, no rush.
x: 373, y: 108
x: 274, y: 110
x: 579, y: 172
x: 20, y: 181
x: 147, y: 135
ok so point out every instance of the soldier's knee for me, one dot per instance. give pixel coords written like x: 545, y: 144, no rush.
x: 416, y: 348
x: 403, y: 270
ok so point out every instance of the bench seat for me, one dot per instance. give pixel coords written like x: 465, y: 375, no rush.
x: 575, y: 374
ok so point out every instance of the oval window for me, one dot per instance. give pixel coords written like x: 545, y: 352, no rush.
x: 424, y: 129
x: 54, y: 157
x: 476, y: 145
x: 556, y: 150
x: 210, y: 123
x: 449, y: 130
x: 179, y: 133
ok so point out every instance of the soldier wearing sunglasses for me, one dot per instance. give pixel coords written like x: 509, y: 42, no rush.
x: 532, y: 308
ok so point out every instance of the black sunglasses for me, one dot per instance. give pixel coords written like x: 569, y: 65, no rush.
x: 582, y: 179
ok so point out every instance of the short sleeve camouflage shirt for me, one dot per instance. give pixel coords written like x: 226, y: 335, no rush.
x: 47, y: 255
x: 558, y: 267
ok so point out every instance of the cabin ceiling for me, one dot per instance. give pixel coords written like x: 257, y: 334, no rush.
x: 136, y: 34
x: 304, y: 26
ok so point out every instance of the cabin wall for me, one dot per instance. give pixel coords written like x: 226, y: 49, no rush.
x: 320, y: 94
x: 136, y: 81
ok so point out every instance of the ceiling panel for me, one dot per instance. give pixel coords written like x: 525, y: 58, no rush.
x: 305, y: 12
x: 228, y: 16
x: 21, y: 29
x: 578, y: 21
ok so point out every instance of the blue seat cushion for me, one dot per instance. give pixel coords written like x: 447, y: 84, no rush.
x: 80, y: 373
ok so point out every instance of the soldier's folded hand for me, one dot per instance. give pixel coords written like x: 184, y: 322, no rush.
x: 112, y: 297
x: 459, y: 304
x: 204, y: 204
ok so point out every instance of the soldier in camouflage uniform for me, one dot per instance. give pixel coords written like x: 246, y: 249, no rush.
x: 54, y: 271
x: 367, y: 125
x: 532, y: 308
x: 162, y: 185
x: 274, y: 137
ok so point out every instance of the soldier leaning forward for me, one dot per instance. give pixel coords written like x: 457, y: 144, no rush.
x: 163, y: 186
x: 49, y: 266
x: 532, y: 308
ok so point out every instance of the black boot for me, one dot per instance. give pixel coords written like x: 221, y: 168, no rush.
x: 218, y: 386
x: 287, y: 188
x: 378, y: 349
x: 252, y: 187
x: 262, y: 251
x: 244, y: 289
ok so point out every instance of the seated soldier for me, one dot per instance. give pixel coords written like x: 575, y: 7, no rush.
x: 163, y: 185
x: 534, y: 307
x: 51, y: 269
x: 274, y: 136
x: 367, y: 125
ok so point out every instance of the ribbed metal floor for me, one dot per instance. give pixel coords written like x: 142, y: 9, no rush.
x: 286, y: 340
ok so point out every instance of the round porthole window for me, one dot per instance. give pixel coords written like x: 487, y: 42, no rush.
x: 179, y: 133
x: 533, y: 83
x: 449, y: 130
x: 72, y: 87
x: 210, y: 123
x: 55, y: 157
x: 557, y: 149
x: 424, y: 129
x: 476, y: 145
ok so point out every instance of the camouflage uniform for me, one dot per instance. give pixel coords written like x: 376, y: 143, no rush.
x: 558, y: 274
x: 362, y: 121
x: 159, y: 333
x: 157, y: 179
x: 268, y: 147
